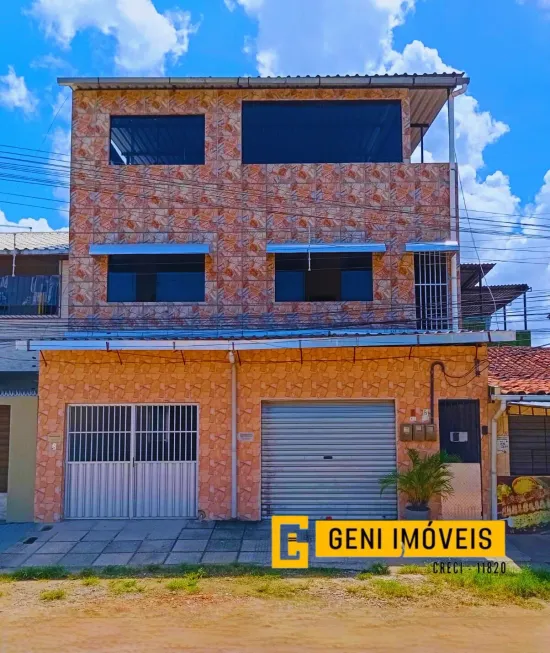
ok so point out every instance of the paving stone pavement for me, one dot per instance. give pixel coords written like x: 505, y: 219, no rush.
x: 98, y: 543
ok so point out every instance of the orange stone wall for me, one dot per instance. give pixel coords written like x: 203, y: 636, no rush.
x: 398, y: 373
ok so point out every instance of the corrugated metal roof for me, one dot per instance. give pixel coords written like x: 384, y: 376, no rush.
x: 46, y: 242
x: 405, y: 80
x: 486, y: 300
x: 470, y: 273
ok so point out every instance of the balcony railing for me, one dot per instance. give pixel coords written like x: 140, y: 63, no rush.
x: 33, y: 295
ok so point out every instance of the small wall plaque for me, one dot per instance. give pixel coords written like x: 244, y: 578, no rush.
x: 503, y: 444
x: 245, y: 437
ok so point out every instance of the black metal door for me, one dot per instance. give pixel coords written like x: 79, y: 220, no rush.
x: 459, y: 431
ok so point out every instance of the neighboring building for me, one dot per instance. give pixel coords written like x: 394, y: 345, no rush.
x: 32, y: 266
x: 520, y: 380
x: 480, y: 301
x: 263, y: 303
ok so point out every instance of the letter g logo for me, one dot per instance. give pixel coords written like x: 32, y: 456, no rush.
x: 298, y: 550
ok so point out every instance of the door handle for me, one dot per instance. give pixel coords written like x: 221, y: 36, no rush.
x: 327, y: 457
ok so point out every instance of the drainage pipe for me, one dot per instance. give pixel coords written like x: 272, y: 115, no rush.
x: 233, y: 435
x: 494, y: 426
x: 453, y: 211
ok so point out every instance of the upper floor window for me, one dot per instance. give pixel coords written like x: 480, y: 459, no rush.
x: 157, y: 140
x: 166, y: 278
x: 312, y: 131
x: 431, y: 291
x: 323, y: 277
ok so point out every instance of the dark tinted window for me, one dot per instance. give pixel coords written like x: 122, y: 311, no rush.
x: 170, y: 278
x: 311, y: 131
x: 332, y: 277
x: 157, y: 140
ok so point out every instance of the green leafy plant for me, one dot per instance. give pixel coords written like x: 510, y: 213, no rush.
x: 425, y: 477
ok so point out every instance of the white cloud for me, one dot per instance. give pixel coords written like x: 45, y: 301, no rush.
x: 51, y: 62
x: 14, y: 93
x: 36, y: 224
x: 230, y: 4
x: 144, y: 38
x: 322, y: 36
x: 60, y: 140
x: 267, y: 63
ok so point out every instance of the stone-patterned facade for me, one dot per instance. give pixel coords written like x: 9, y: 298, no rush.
x: 396, y: 373
x: 239, y: 209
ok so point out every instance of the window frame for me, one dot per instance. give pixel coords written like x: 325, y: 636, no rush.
x: 154, y: 261
x: 252, y: 138
x: 298, y: 262
x: 144, y: 117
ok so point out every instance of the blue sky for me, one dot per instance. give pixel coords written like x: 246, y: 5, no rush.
x: 501, y: 122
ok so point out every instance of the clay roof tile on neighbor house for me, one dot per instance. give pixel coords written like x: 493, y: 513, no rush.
x: 520, y: 370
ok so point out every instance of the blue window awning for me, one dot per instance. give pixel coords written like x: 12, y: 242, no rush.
x: 324, y: 248
x: 446, y: 246
x: 149, y: 248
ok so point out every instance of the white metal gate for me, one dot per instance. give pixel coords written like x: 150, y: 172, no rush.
x: 131, y: 461
x: 325, y: 458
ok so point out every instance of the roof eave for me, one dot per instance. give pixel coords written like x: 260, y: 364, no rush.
x: 435, y: 80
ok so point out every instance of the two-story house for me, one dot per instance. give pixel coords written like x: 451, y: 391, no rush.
x: 263, y: 302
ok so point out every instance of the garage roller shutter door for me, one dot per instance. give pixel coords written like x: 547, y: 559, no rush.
x: 325, y: 459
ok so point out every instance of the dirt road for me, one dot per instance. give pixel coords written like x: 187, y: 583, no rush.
x: 142, y: 624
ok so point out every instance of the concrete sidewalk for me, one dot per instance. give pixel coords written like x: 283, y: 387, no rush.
x: 99, y: 543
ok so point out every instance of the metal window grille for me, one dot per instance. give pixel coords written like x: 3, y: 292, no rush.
x: 163, y: 433
x: 99, y: 434
x: 166, y: 433
x: 431, y: 291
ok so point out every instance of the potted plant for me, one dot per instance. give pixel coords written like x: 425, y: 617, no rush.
x: 427, y: 476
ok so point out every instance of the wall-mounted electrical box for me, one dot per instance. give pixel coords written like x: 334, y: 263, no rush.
x: 430, y: 432
x: 406, y: 432
x: 419, y: 432
x: 459, y: 436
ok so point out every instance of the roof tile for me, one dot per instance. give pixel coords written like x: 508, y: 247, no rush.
x: 520, y: 370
